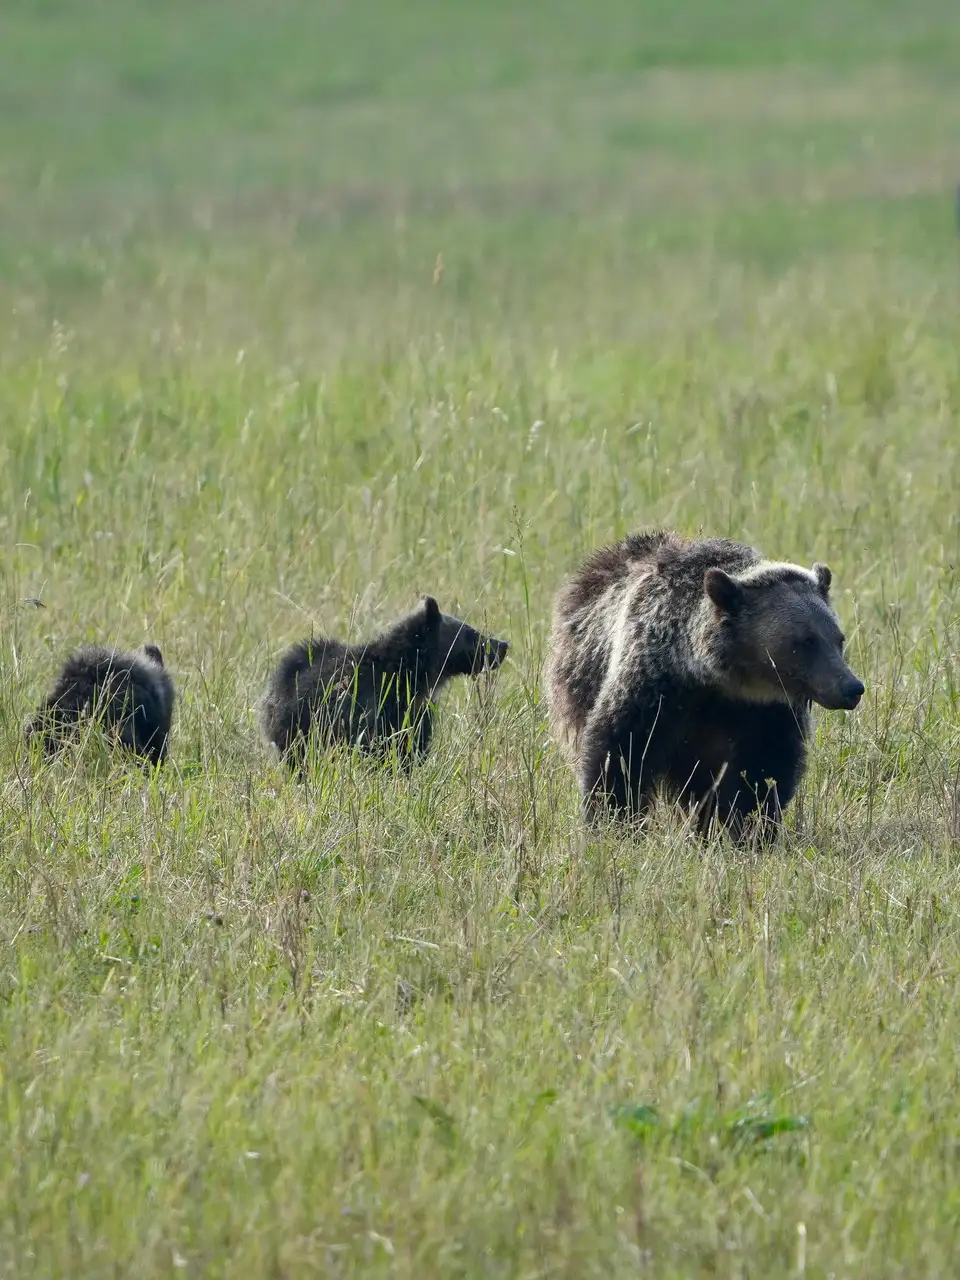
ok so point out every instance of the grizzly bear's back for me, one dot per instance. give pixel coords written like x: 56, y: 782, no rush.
x: 131, y: 692
x: 631, y: 601
x: 360, y: 693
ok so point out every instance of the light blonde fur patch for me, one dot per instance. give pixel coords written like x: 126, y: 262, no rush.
x: 773, y: 571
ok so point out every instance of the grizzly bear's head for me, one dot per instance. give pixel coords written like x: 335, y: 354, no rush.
x: 464, y: 651
x: 449, y: 647
x: 776, y: 637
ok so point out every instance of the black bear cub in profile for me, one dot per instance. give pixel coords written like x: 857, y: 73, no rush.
x: 129, y: 693
x: 377, y: 695
x: 689, y: 668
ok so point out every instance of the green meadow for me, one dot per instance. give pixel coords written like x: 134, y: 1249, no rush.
x: 307, y: 309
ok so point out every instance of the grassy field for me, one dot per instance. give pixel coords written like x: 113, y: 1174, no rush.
x: 306, y: 309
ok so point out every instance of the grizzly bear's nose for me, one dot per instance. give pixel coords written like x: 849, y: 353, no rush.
x: 497, y: 651
x: 852, y: 693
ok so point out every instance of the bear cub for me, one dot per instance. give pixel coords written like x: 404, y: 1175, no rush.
x: 131, y: 694
x: 374, y: 695
x: 688, y: 668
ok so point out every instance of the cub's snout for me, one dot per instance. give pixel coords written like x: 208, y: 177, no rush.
x: 496, y: 652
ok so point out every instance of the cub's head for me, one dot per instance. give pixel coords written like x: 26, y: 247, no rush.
x: 777, y: 638
x: 453, y: 646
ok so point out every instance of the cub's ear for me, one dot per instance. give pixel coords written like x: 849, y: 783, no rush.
x: 153, y: 653
x: 725, y: 592
x: 824, y: 577
x: 431, y: 611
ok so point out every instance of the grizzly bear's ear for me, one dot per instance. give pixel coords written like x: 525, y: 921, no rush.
x: 725, y: 592
x: 824, y: 577
x: 431, y: 611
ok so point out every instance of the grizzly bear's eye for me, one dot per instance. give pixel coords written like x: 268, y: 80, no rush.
x: 808, y: 643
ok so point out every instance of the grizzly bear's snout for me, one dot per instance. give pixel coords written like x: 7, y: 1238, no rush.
x: 848, y: 695
x: 494, y: 653
x: 832, y: 685
x: 488, y: 654
x: 855, y: 691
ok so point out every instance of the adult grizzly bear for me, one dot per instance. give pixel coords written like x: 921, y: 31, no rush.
x: 129, y: 693
x: 689, y: 668
x: 374, y: 695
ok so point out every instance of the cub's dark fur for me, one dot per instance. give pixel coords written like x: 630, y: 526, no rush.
x: 130, y: 693
x: 689, y: 667
x: 375, y: 695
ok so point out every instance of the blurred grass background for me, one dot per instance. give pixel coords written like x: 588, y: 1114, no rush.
x: 309, y: 308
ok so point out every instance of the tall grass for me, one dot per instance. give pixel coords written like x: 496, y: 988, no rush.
x: 424, y: 1024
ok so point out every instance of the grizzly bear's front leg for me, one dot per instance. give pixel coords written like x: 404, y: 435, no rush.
x: 747, y: 815
x: 615, y: 769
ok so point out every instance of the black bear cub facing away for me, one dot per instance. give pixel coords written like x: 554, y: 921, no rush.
x: 129, y: 693
x: 689, y: 668
x: 375, y: 695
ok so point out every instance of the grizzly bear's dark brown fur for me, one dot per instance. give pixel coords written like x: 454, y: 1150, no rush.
x: 689, y: 668
x: 375, y: 695
x: 129, y: 693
